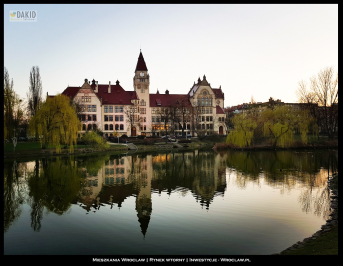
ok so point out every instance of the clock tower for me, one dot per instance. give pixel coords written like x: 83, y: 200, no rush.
x: 141, y: 82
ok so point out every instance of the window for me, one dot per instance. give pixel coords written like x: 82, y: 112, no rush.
x: 85, y: 98
x: 111, y: 126
x: 110, y: 117
x: 153, y: 110
x: 89, y: 126
x: 121, y: 109
x: 94, y: 117
x: 117, y: 118
x: 110, y: 109
x: 106, y: 126
x: 142, y: 90
x: 83, y: 108
x: 153, y: 119
x: 116, y: 109
x: 94, y: 126
x: 121, y: 118
x: 89, y: 108
x: 105, y: 109
x: 144, y: 127
x: 144, y: 119
x: 83, y: 126
x: 117, y: 126
x: 143, y: 111
x: 93, y: 108
x: 106, y: 118
x: 83, y: 117
x: 121, y: 127
x: 89, y: 117
x: 143, y: 103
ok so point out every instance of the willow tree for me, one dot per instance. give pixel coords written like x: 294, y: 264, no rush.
x: 243, y: 133
x: 281, y: 123
x: 278, y: 125
x: 56, y: 122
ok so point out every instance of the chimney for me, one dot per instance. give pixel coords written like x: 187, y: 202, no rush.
x: 109, y: 88
x: 96, y: 87
x: 167, y: 92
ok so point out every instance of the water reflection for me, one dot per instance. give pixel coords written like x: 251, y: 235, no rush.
x: 56, y: 184
x: 285, y: 169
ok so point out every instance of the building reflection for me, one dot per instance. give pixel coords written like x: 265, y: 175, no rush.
x: 200, y: 172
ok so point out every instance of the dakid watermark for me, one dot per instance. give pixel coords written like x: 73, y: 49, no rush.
x: 23, y: 16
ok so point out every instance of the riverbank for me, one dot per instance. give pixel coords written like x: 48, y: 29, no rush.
x: 33, y: 149
x: 325, y: 240
x: 329, y: 144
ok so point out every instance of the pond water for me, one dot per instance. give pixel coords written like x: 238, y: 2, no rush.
x: 187, y: 203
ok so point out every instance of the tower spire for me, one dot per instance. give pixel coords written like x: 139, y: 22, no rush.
x: 141, y: 63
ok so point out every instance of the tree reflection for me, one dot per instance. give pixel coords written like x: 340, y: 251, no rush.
x: 14, y: 191
x: 284, y: 170
x: 54, y: 186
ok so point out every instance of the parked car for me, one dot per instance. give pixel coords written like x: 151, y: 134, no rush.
x: 189, y: 135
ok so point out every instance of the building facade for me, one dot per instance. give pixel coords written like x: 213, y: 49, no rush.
x: 116, y: 111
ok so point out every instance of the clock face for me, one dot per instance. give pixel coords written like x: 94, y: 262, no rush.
x: 141, y: 74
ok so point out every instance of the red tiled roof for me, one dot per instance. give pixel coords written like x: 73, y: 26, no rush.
x: 164, y: 100
x: 219, y: 110
x: 218, y: 93
x: 71, y: 91
x: 117, y: 96
x: 141, y: 63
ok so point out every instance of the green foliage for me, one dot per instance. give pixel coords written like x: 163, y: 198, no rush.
x: 278, y: 126
x: 56, y: 122
x: 244, y: 131
x: 93, y: 139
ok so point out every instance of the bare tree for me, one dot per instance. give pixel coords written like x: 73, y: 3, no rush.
x: 34, y: 95
x: 132, y: 116
x: 323, y: 92
x: 35, y: 91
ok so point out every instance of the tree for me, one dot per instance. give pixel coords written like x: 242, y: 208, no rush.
x: 132, y: 117
x: 35, y: 91
x: 13, y: 109
x: 244, y: 131
x: 56, y: 122
x: 34, y: 95
x: 323, y: 92
x: 277, y: 125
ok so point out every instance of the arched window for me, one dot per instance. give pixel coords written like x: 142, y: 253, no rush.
x: 111, y: 126
x: 116, y: 126
x: 89, y: 126
x: 83, y: 126
x: 121, y: 127
x: 106, y: 126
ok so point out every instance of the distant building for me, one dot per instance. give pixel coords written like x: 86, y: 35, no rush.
x: 116, y: 111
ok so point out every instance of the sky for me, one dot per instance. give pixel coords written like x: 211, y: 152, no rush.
x: 258, y: 51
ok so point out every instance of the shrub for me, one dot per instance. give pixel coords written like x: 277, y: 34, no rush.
x: 94, y: 140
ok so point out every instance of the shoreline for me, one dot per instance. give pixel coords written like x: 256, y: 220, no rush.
x: 330, y: 224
